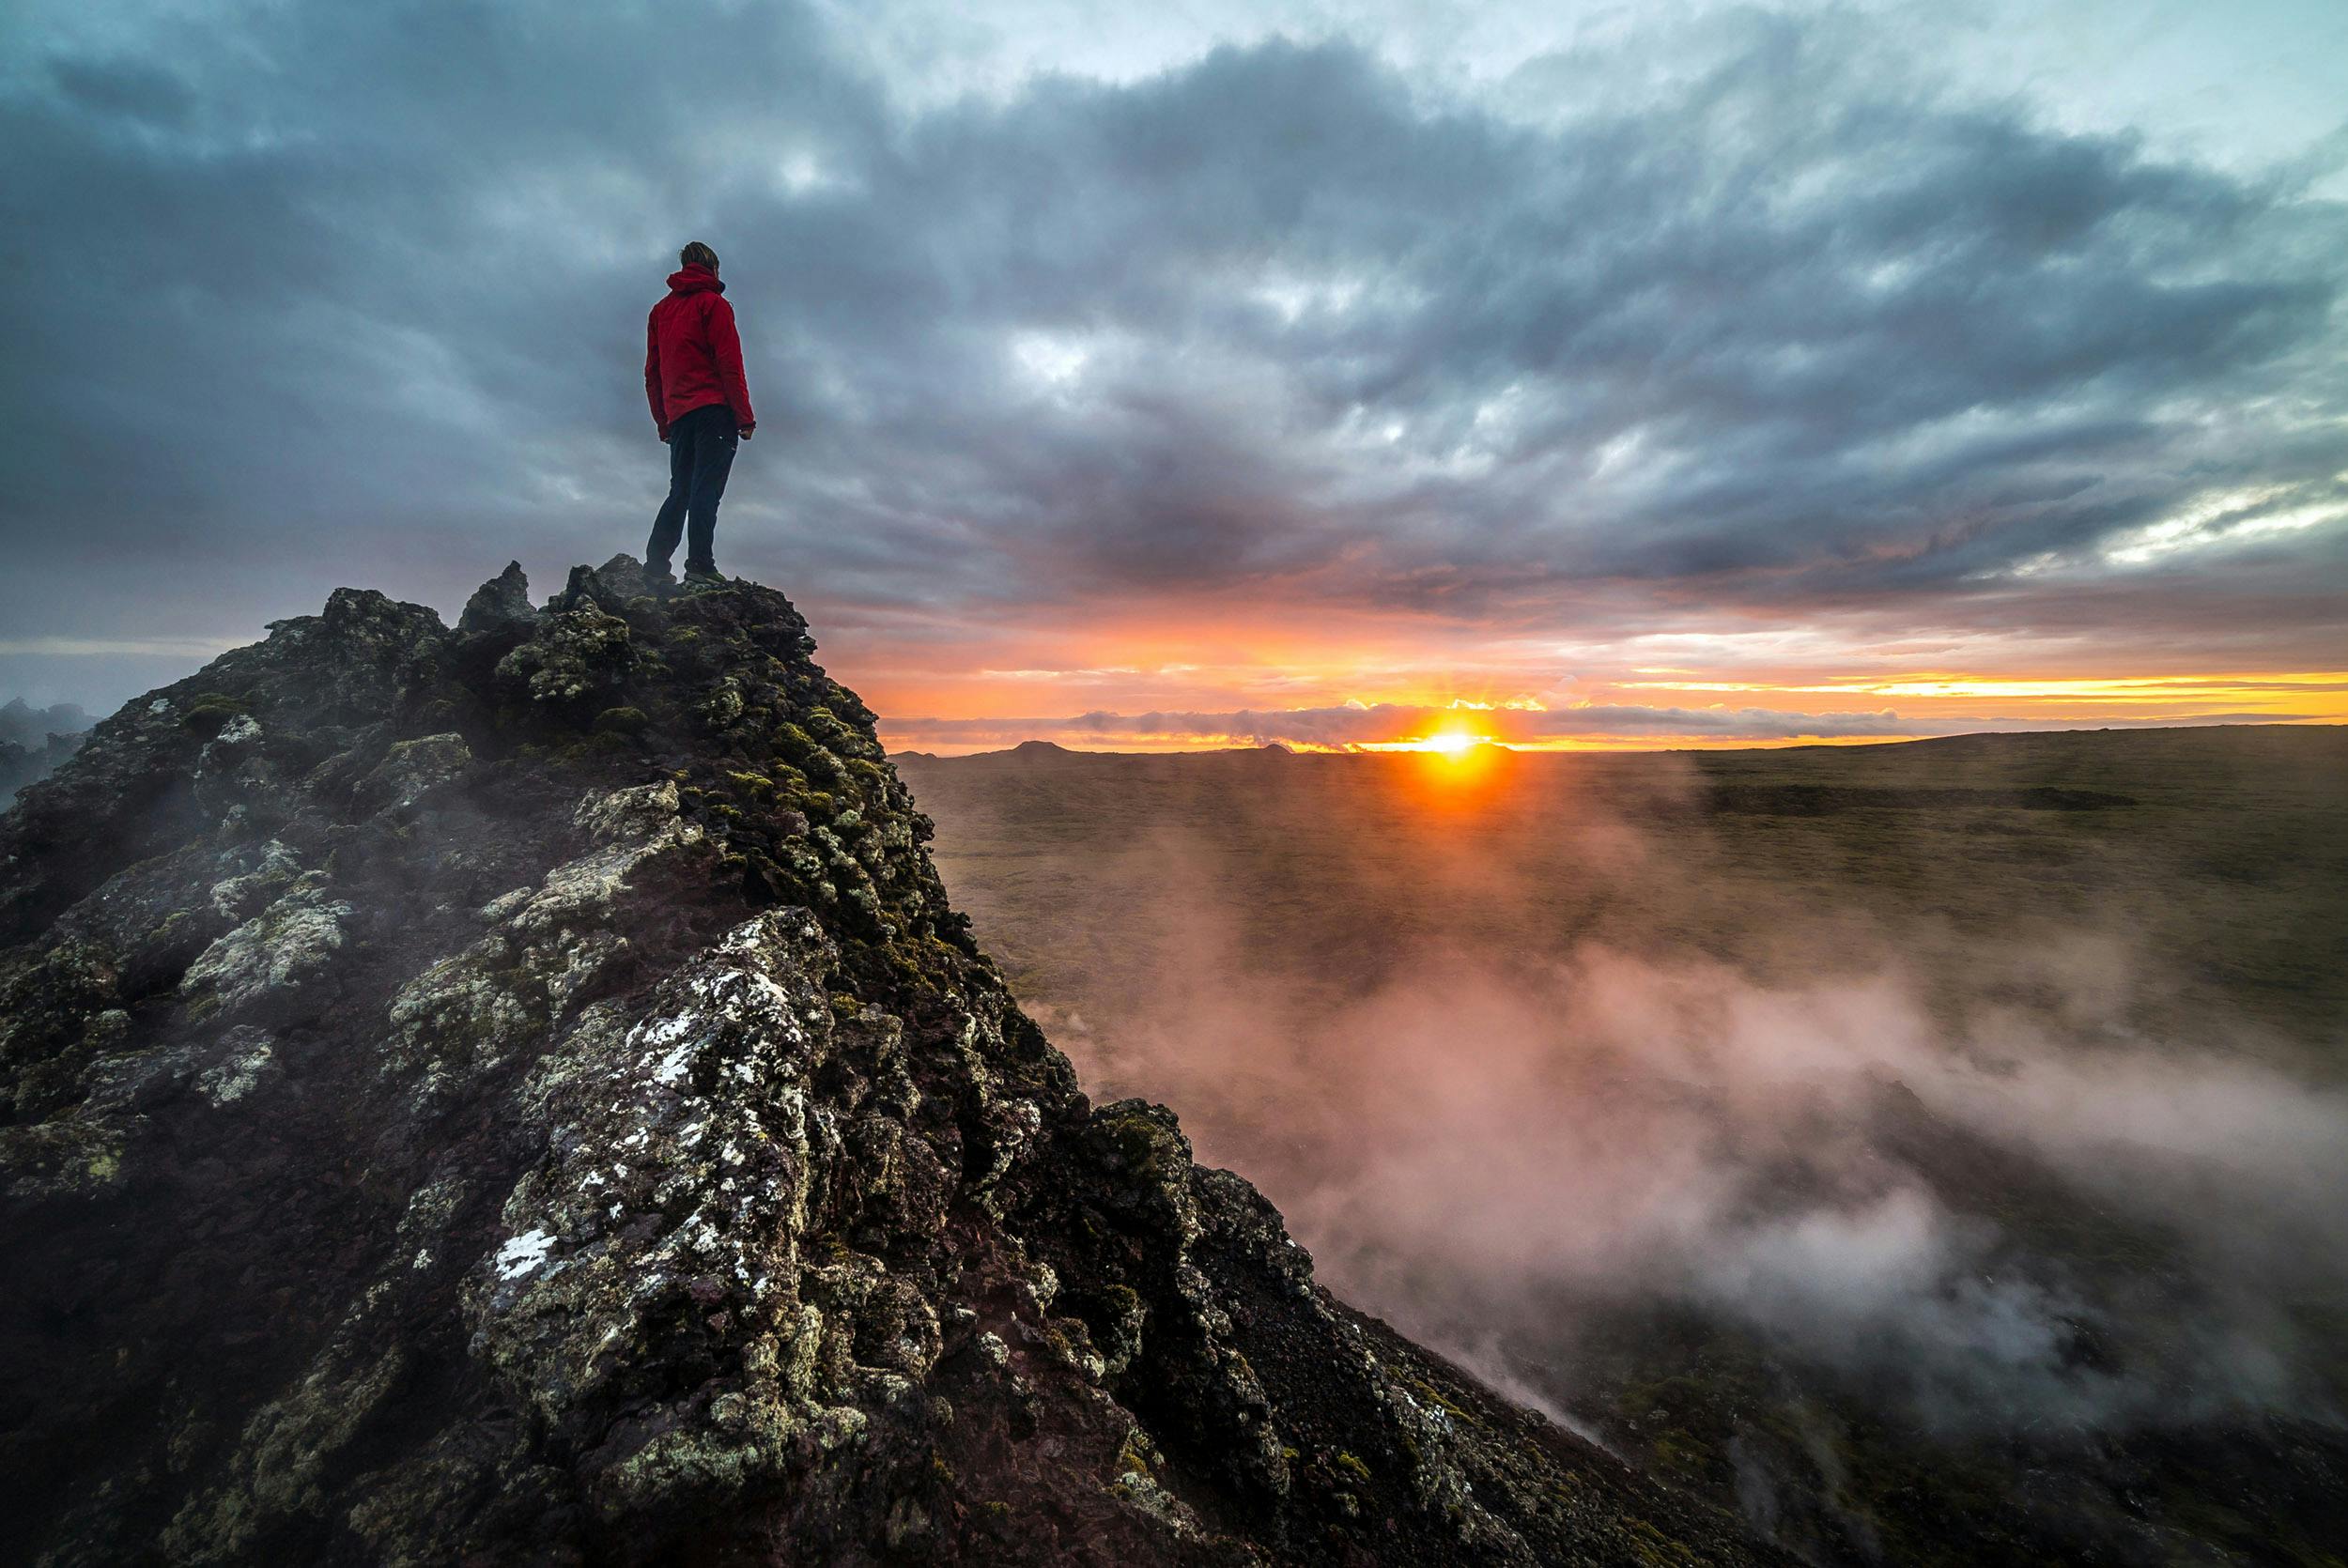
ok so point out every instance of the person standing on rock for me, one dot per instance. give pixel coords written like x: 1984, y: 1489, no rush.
x: 700, y: 404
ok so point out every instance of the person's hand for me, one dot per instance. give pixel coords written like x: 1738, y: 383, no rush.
x: 664, y: 437
x: 746, y: 431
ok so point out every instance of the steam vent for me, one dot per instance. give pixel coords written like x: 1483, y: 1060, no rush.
x: 518, y: 1094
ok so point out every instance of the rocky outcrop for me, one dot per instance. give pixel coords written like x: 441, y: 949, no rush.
x: 33, y: 741
x: 519, y: 1094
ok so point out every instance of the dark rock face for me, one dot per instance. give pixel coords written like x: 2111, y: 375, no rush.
x: 519, y: 1095
x: 503, y: 601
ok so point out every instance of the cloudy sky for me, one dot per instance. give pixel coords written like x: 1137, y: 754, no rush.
x: 1218, y: 371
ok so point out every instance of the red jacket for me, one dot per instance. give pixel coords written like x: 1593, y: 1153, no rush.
x: 692, y: 354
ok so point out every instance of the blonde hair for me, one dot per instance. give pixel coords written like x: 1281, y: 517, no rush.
x: 697, y: 255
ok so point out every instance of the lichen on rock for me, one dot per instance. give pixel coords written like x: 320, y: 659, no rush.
x: 574, y: 653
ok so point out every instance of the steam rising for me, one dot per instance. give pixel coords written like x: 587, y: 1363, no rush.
x: 1946, y: 1169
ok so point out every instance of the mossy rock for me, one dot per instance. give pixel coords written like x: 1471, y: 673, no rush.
x: 210, y: 712
x: 756, y: 785
x: 794, y: 742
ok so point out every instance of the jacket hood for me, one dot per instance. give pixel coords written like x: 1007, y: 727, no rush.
x: 693, y: 280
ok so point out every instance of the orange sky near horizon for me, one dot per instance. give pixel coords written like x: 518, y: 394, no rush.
x: 1237, y: 674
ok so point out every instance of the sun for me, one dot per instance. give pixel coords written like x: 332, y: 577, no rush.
x: 1455, y: 764
x: 1452, y: 743
x: 1457, y: 748
x: 1458, y: 745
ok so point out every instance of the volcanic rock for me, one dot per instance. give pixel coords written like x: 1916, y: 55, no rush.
x: 520, y: 1095
x: 503, y: 601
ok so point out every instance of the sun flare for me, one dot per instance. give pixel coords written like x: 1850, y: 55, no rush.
x: 1456, y: 755
x: 1452, y: 743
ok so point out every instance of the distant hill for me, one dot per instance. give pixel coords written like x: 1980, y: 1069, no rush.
x: 35, y: 739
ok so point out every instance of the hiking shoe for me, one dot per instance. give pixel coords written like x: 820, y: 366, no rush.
x: 658, y: 578
x: 702, y: 577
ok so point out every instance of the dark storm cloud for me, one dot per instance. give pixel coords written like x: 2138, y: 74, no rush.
x: 302, y: 295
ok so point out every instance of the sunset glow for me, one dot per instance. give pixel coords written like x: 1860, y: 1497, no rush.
x: 1115, y: 690
x: 1452, y: 741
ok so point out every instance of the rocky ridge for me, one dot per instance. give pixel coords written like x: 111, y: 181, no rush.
x: 518, y: 1093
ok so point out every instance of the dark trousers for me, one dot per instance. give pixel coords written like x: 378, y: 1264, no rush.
x: 700, y: 453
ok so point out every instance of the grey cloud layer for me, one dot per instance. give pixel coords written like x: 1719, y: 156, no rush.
x: 319, y: 294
